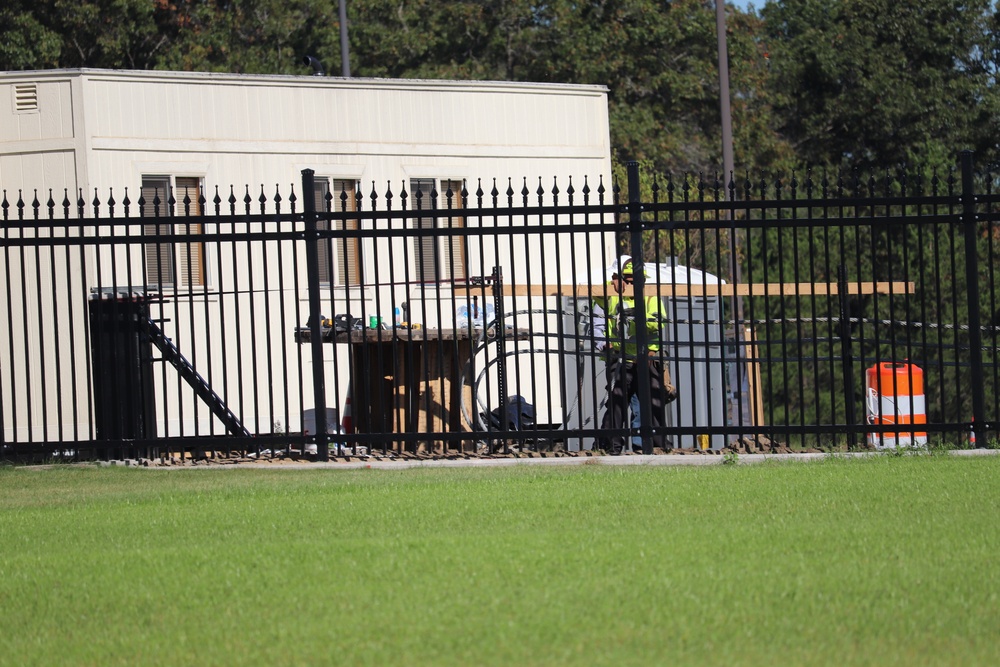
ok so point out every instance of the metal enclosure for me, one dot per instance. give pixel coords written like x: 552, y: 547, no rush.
x: 123, y: 378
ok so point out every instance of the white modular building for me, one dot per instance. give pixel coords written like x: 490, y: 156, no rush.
x: 91, y: 133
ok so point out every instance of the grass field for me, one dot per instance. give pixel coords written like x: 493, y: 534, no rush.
x: 889, y: 561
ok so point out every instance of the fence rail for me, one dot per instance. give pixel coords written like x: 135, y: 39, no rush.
x: 827, y: 311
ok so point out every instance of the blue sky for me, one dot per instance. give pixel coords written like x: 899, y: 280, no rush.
x: 742, y: 4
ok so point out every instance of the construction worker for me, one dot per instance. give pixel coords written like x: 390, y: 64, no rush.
x: 622, y: 352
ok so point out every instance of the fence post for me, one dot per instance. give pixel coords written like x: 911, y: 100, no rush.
x: 972, y: 289
x: 847, y: 356
x: 314, y: 323
x: 498, y: 319
x: 639, y: 284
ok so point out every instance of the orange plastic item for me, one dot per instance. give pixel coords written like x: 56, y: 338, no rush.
x: 895, y: 395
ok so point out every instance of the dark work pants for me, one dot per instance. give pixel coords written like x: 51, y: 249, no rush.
x: 623, y: 383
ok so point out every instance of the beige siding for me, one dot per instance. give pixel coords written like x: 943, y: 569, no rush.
x: 299, y: 114
x: 52, y: 120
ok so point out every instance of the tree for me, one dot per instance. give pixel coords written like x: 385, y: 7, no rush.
x: 71, y: 33
x: 813, y: 81
x: 874, y: 82
x: 757, y: 142
x: 657, y: 59
x: 489, y: 39
x: 247, y: 36
x: 28, y: 43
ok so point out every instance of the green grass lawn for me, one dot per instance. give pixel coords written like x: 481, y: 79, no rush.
x: 890, y: 561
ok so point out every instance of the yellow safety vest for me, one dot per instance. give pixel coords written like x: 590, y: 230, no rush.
x: 617, y: 308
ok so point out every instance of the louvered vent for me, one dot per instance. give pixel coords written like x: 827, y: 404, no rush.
x: 25, y: 97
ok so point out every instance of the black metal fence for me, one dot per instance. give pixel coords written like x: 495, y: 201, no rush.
x: 825, y: 310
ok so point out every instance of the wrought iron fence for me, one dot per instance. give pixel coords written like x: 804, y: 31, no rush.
x: 461, y: 318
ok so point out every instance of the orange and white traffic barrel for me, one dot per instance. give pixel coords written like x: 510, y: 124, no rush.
x: 895, y: 395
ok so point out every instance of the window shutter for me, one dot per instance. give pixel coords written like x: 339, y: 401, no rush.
x: 456, y: 242
x: 345, y: 252
x: 348, y: 255
x: 424, y: 247
x: 159, y: 257
x: 191, y: 255
x: 321, y: 188
x: 444, y: 255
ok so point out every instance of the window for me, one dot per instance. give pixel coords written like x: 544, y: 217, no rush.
x: 339, y: 259
x: 438, y: 258
x: 174, y: 262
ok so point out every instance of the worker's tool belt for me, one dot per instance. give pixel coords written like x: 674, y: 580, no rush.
x: 656, y: 365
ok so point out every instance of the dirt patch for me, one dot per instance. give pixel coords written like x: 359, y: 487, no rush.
x: 747, y: 445
x: 763, y: 445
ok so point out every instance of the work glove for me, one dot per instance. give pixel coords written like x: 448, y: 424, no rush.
x: 669, y: 390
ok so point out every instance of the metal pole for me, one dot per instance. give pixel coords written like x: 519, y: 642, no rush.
x: 638, y: 285
x: 498, y: 322
x: 315, y: 326
x: 345, y: 52
x: 743, y: 387
x: 847, y: 356
x: 972, y: 290
x: 727, y: 121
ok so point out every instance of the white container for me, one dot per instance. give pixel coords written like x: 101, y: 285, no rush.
x: 309, y: 421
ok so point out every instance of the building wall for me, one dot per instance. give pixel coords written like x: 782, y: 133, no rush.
x: 240, y: 129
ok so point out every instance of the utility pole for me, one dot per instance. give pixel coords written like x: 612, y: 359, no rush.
x: 736, y: 241
x: 345, y: 52
x: 727, y: 120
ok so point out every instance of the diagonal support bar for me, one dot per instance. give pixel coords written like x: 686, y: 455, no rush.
x: 201, y: 387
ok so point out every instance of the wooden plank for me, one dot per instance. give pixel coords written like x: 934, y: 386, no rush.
x: 743, y: 289
x: 755, y: 387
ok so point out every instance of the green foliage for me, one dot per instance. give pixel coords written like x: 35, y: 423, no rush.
x: 657, y: 59
x: 28, y: 43
x: 69, y: 33
x: 938, y: 445
x: 875, y: 82
x: 831, y: 82
x: 250, y: 36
